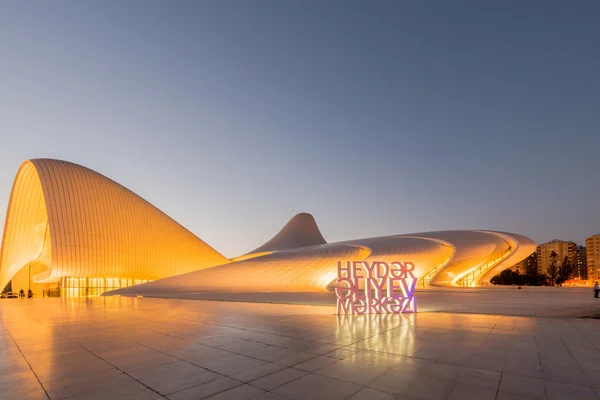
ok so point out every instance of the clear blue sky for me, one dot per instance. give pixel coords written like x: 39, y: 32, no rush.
x: 376, y: 117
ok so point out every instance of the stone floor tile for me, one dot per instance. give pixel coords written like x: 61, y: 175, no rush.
x: 321, y: 349
x: 427, y: 388
x: 302, y: 386
x: 131, y: 365
x: 313, y: 386
x: 61, y: 381
x: 467, y: 392
x: 242, y: 346
x: 223, y: 360
x: 315, y: 363
x: 563, y: 359
x: 257, y: 372
x: 261, y: 352
x: 268, y: 396
x: 448, y: 372
x: 208, y: 357
x: 167, y: 381
x: 342, y: 353
x: 395, y: 381
x: 238, y: 368
x: 21, y: 388
x: 411, y: 364
x: 75, y: 345
x: 525, y: 368
x: 372, y: 394
x: 32, y: 396
x: 478, y: 377
x: 294, y: 359
x: 524, y: 386
x: 29, y: 381
x: 449, y: 356
x: 144, y: 394
x: 91, y: 386
x: 244, y: 392
x: 565, y: 391
x: 486, y: 362
x: 278, y: 378
x: 205, y: 390
x: 126, y: 389
x: 11, y: 376
x: 232, y: 364
x: 376, y: 359
x: 360, y: 374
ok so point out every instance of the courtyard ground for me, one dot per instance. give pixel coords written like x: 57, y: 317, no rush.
x: 148, y: 348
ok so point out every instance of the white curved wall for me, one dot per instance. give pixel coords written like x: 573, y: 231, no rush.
x: 90, y: 226
x: 314, y: 268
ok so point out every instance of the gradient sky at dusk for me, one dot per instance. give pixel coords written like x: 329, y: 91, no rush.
x: 376, y: 117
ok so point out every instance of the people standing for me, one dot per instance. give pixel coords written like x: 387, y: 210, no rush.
x: 596, y: 289
x: 21, y: 293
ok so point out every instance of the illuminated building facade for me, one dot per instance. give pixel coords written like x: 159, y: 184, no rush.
x: 592, y: 245
x: 527, y: 265
x: 561, y: 248
x: 298, y: 261
x: 581, y: 263
x: 71, y: 228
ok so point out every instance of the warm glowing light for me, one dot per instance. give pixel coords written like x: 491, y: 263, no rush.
x: 65, y: 220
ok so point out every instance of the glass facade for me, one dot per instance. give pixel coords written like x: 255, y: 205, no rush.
x: 77, y: 287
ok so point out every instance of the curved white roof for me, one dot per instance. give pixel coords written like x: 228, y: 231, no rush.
x: 66, y: 220
x: 300, y: 231
x: 446, y: 258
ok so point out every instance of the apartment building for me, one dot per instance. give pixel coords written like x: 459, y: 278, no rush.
x: 561, y: 248
x: 592, y: 245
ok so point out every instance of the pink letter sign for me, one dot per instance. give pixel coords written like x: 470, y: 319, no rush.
x: 375, y: 288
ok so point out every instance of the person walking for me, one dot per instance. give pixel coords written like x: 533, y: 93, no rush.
x: 596, y: 289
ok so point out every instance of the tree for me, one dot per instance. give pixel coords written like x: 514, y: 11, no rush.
x: 564, y: 271
x: 537, y: 280
x: 532, y: 277
x: 508, y: 277
x: 553, y: 268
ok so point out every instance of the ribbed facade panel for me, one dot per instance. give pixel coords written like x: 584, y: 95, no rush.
x: 65, y: 220
x: 96, y: 227
x: 25, y: 228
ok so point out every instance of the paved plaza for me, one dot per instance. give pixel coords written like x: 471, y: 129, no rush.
x: 502, y: 300
x: 145, y: 348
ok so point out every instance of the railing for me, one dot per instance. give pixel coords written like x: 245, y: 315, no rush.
x: 424, y: 281
x: 470, y: 277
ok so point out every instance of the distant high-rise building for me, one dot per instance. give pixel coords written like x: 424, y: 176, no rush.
x: 527, y: 265
x: 580, y: 263
x: 593, y: 257
x: 561, y: 248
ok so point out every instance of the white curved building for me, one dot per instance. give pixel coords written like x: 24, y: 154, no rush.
x: 69, y: 226
x: 297, y: 260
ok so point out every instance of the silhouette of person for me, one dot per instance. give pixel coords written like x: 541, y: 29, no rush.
x: 596, y: 289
